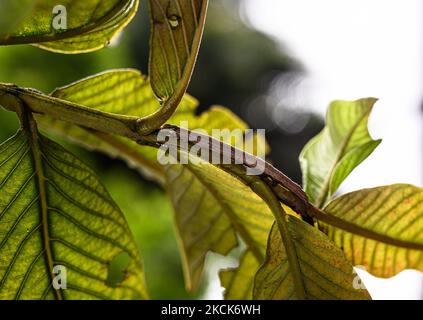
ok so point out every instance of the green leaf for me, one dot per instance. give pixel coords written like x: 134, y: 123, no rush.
x: 91, y: 24
x: 119, y: 91
x: 177, y: 28
x: 176, y: 32
x: 239, y: 282
x: 54, y: 211
x: 391, y: 224
x: 342, y: 145
x: 325, y: 273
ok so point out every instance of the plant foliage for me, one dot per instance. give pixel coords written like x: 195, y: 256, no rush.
x: 297, y: 243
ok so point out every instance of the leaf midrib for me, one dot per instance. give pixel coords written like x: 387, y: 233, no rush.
x: 31, y: 130
x: 321, y: 198
x: 86, y: 28
x: 353, y: 228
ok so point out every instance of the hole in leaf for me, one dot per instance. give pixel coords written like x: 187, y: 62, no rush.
x: 174, y: 21
x: 117, y: 268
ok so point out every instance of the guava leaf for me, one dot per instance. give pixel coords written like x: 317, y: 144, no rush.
x: 343, y: 144
x: 90, y: 24
x: 324, y: 271
x: 390, y: 219
x: 211, y: 207
x: 55, y: 212
x: 119, y: 91
x: 176, y: 31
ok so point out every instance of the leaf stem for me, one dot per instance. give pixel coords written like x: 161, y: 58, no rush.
x: 40, y: 103
x: 264, y: 191
x: 287, y: 191
x: 128, y: 126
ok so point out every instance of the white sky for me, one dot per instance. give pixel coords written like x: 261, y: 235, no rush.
x: 354, y: 49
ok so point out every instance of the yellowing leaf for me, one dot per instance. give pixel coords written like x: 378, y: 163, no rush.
x: 391, y: 225
x: 211, y: 206
x: 298, y: 256
x: 55, y: 212
x: 342, y: 145
x: 325, y: 273
x: 90, y: 24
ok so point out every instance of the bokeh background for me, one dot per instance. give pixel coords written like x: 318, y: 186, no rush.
x: 277, y: 64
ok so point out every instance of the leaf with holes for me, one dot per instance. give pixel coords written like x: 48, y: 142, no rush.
x: 389, y: 218
x: 343, y: 144
x: 55, y: 212
x: 70, y: 26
